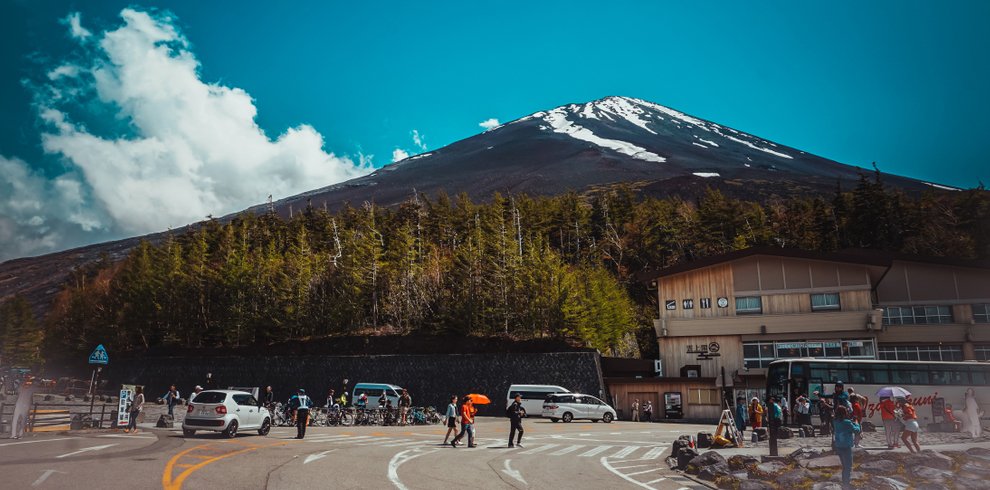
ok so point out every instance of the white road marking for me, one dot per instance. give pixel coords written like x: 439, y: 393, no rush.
x: 398, y: 460
x: 34, y: 442
x: 317, y: 456
x: 85, y: 449
x: 44, y: 476
x: 644, y: 471
x: 633, y: 466
x: 343, y: 440
x: 654, y: 453
x: 513, y: 473
x: 539, y: 449
x: 658, y: 480
x: 595, y: 451
x: 625, y: 451
x: 379, y: 440
x: 618, y: 473
x: 125, y: 436
x: 400, y: 444
x: 566, y: 450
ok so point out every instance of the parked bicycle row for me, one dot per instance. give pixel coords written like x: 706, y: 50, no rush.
x: 283, y: 415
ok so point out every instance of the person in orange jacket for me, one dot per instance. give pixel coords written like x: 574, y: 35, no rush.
x: 467, y: 422
x: 756, y: 412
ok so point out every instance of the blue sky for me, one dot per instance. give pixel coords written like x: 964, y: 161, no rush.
x: 900, y: 83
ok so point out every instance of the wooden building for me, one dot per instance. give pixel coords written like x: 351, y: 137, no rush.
x: 723, y: 319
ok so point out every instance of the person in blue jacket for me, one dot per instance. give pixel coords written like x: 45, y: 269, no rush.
x: 845, y: 435
x: 741, y: 410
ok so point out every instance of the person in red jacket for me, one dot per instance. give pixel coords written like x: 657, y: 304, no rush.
x: 891, y: 426
x: 951, y: 418
x: 857, y: 416
x: 467, y: 423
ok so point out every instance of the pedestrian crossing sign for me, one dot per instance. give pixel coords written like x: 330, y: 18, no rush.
x: 99, y: 356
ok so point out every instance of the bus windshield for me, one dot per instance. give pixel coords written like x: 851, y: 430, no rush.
x: 777, y: 376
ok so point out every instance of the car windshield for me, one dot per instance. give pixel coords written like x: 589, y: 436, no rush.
x: 210, y: 397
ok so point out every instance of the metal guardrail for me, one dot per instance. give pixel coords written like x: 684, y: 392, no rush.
x: 58, y: 416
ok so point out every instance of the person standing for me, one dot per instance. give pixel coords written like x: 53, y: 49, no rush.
x: 267, y: 399
x: 803, y: 410
x: 911, y: 428
x: 197, y: 390
x: 635, y: 410
x: 171, y: 399
x: 301, y: 404
x: 741, y: 414
x: 467, y: 423
x: 516, y: 412
x: 648, y: 411
x: 451, y: 419
x: 211, y: 384
x: 825, y: 413
x: 785, y: 409
x: 845, y: 433
x: 857, y: 416
x: 756, y: 412
x: 405, y: 403
x: 775, y: 415
x: 137, y: 404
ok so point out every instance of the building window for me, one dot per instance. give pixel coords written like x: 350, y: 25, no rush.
x: 982, y: 352
x: 700, y: 396
x: 825, y: 301
x: 920, y: 352
x: 916, y: 315
x: 749, y: 304
x: 981, y: 313
x: 760, y: 354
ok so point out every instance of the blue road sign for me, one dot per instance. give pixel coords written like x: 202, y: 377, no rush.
x: 99, y: 356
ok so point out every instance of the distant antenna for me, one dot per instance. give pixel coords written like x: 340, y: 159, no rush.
x: 271, y: 206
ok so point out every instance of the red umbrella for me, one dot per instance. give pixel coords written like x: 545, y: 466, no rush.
x: 479, y: 399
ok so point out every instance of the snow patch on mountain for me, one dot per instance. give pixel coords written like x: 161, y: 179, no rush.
x: 557, y: 119
x: 751, y: 145
x: 707, y: 174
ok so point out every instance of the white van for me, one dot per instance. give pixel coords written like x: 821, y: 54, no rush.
x: 374, y: 392
x: 533, y: 396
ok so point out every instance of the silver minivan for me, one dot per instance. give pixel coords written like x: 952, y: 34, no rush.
x: 532, y: 396
x: 374, y: 392
x: 571, y: 406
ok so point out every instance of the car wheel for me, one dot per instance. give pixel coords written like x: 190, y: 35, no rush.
x: 188, y: 432
x: 567, y: 418
x: 266, y: 427
x: 231, y: 431
x: 607, y: 418
x: 555, y: 420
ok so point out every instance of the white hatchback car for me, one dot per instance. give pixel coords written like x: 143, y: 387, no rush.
x: 225, y: 411
x: 570, y: 406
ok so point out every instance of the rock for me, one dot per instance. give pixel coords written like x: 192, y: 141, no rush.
x: 831, y: 461
x: 49, y: 398
x: 684, y: 459
x: 928, y: 473
x: 85, y: 398
x: 885, y: 483
x: 677, y: 446
x: 671, y: 462
x: 806, y: 453
x: 739, y: 462
x: 837, y: 476
x: 754, y: 485
x: 880, y: 466
x: 795, y: 478
x: 709, y: 458
x: 974, y: 471
x: 970, y: 484
x: 979, y: 450
x: 935, y: 459
x: 869, y: 427
x: 711, y: 472
x: 931, y: 486
x: 826, y: 485
x: 769, y: 469
x: 69, y: 398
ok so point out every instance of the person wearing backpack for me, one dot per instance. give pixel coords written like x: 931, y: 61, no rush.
x: 515, y: 412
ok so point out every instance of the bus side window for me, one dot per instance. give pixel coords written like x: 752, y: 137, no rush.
x: 881, y: 375
x: 979, y: 374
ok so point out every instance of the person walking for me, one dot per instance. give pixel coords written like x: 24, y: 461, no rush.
x: 301, y: 404
x: 891, y: 426
x: 648, y: 411
x: 516, y: 412
x: 845, y: 433
x: 137, y: 404
x: 171, y: 400
x: 635, y: 410
x: 741, y: 414
x: 756, y: 412
x: 911, y: 428
x: 451, y: 419
x: 405, y: 403
x: 467, y: 422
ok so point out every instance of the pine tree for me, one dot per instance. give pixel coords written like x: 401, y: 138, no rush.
x: 21, y: 335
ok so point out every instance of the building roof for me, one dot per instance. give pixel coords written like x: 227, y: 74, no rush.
x: 878, y: 258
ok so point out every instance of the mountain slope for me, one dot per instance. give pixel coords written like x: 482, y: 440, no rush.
x: 574, y: 147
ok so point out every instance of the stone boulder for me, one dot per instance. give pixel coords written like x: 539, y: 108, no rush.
x: 769, y: 469
x: 827, y: 485
x: 754, y: 485
x: 879, y: 467
x: 807, y: 453
x: 933, y: 459
x: 830, y: 461
x: 963, y: 483
x: 798, y: 477
x: 708, y: 458
x: 930, y: 486
x: 740, y: 462
x: 974, y: 471
x: 837, y: 476
x: 885, y: 483
x: 714, y: 471
x: 928, y: 473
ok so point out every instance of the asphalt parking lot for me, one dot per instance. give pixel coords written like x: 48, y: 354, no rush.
x: 554, y: 455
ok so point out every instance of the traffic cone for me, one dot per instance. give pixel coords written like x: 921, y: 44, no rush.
x: 691, y: 443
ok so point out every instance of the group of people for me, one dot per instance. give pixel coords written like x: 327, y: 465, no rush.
x: 647, y: 410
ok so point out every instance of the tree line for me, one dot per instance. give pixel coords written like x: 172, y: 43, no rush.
x: 516, y: 267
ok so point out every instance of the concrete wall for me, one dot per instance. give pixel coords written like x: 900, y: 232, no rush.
x: 430, y: 379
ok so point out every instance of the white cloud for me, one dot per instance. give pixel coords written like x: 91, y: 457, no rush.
x: 191, y: 149
x: 399, y: 154
x: 489, y: 123
x: 418, y: 140
x: 75, y: 26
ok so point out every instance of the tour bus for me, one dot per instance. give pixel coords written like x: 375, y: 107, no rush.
x: 929, y: 382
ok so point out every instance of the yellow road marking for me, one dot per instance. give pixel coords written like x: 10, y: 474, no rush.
x: 170, y: 483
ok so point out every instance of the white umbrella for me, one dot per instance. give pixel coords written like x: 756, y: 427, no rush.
x: 893, y: 392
